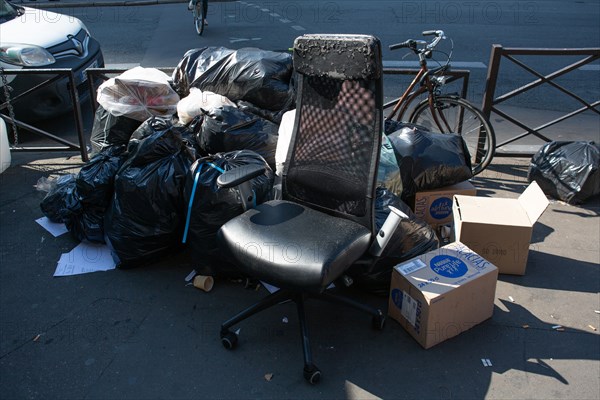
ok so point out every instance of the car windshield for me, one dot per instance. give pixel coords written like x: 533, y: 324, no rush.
x: 7, y: 11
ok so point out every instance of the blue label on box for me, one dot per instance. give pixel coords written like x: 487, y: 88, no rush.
x: 441, y: 208
x: 448, y: 266
x: 397, y: 297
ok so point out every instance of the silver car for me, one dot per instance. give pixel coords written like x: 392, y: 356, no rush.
x: 36, y: 38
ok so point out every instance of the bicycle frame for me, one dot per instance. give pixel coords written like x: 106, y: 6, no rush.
x: 410, y: 94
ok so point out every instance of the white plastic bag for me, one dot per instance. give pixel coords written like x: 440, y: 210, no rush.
x: 139, y: 93
x: 197, y: 101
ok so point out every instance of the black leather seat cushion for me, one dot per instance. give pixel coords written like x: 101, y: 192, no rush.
x: 292, y: 246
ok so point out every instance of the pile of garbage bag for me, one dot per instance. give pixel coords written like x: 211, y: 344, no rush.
x: 159, y: 143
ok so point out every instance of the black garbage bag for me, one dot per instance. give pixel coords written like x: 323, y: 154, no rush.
x: 272, y: 116
x: 227, y: 128
x: 88, y: 224
x: 62, y: 199
x: 152, y: 125
x: 209, y: 207
x: 95, y: 180
x: 429, y: 160
x: 109, y: 130
x: 261, y: 77
x: 63, y: 203
x: 567, y: 170
x: 145, y: 218
x: 412, y: 238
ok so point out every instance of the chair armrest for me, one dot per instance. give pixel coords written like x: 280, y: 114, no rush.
x: 387, y: 230
x: 239, y: 175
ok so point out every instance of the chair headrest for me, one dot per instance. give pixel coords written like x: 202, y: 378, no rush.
x: 338, y: 56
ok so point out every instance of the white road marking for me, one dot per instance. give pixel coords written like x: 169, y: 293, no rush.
x: 235, y: 39
x: 415, y: 64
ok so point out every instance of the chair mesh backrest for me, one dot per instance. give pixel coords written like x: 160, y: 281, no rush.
x: 335, y: 144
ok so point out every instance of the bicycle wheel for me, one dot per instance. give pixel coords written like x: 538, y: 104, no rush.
x: 456, y: 115
x: 199, y: 15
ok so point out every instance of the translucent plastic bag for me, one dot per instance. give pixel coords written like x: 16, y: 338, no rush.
x: 193, y: 104
x: 139, y: 93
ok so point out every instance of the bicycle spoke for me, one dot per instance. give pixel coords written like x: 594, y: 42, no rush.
x: 455, y: 115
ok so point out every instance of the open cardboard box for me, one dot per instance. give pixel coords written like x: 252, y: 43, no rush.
x: 500, y: 229
x: 442, y: 293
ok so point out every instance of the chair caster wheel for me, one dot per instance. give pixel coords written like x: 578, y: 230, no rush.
x: 251, y: 284
x: 378, y: 321
x: 229, y: 340
x: 312, y: 374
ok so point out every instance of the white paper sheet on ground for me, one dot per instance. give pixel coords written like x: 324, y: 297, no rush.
x: 85, y: 258
x: 55, y: 228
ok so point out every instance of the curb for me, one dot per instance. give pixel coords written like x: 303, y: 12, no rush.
x: 107, y: 3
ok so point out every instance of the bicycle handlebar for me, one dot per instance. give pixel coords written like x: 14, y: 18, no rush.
x: 412, y: 44
x: 409, y: 43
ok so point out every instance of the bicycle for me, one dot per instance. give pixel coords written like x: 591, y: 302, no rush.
x: 444, y: 113
x: 199, y: 10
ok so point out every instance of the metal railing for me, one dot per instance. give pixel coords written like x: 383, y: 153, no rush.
x: 96, y: 75
x: 55, y: 75
x: 490, y: 102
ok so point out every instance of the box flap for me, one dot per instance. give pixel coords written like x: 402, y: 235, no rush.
x: 489, y: 210
x: 534, y: 202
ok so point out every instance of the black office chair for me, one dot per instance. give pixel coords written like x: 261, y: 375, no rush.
x: 325, y: 222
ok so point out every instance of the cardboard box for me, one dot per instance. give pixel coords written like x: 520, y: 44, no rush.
x: 435, y: 206
x: 500, y: 229
x: 442, y: 293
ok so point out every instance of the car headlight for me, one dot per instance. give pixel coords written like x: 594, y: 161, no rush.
x: 27, y: 55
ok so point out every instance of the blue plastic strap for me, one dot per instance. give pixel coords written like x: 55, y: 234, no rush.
x: 221, y: 170
x: 189, y: 211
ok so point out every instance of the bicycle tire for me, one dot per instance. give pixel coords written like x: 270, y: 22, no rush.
x: 199, y: 16
x: 475, y: 129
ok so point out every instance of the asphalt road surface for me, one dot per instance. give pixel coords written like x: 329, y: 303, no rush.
x: 159, y: 35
